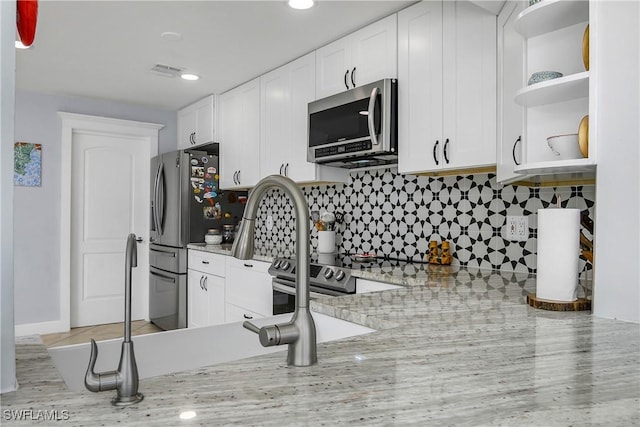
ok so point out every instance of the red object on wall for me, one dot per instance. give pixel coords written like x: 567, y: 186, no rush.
x: 26, y: 19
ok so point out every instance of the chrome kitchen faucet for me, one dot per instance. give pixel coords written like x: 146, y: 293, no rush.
x: 125, y: 379
x: 300, y: 332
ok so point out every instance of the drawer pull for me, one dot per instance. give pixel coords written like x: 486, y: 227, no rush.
x: 247, y: 316
x: 205, y: 261
x: 248, y: 265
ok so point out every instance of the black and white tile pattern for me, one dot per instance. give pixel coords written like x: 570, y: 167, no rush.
x: 397, y: 215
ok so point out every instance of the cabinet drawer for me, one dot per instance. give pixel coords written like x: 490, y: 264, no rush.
x: 248, y: 285
x: 233, y: 313
x: 207, y: 262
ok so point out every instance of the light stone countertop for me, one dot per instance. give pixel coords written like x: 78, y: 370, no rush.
x: 453, y: 347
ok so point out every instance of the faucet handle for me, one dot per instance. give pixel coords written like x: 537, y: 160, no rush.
x: 98, y: 381
x: 250, y: 326
x: 269, y: 335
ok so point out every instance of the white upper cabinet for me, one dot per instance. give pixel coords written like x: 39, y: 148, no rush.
x: 285, y: 94
x: 197, y: 123
x: 240, y: 136
x: 446, y: 87
x: 555, y: 38
x: 368, y: 55
x: 510, y: 80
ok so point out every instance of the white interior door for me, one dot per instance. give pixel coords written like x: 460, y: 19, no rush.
x: 109, y: 200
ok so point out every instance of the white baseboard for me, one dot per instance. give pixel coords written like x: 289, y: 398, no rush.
x: 41, y: 328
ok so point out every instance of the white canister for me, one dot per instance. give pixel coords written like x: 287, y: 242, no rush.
x: 558, y: 252
x: 326, y: 242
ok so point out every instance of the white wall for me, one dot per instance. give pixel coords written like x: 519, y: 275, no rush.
x: 7, y: 84
x: 617, y: 214
x: 37, y: 209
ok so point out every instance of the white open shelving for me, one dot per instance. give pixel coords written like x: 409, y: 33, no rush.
x: 553, y: 91
x: 553, y: 31
x: 551, y: 15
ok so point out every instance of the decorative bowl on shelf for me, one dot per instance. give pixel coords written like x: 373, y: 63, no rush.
x: 542, y: 76
x: 583, y: 136
x: 565, y: 146
x: 585, y: 48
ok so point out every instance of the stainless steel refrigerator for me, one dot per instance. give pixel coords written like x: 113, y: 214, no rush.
x: 185, y: 202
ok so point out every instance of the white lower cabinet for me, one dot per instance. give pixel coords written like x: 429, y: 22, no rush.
x: 248, y: 288
x: 205, y: 289
x: 205, y: 299
x: 233, y: 313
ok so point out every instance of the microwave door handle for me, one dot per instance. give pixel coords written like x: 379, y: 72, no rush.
x: 370, y: 115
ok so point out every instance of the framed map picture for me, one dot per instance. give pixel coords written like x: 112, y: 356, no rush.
x: 27, y: 164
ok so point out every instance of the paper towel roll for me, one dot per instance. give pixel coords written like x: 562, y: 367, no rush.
x: 558, y: 251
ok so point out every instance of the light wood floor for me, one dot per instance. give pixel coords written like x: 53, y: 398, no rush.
x: 99, y: 332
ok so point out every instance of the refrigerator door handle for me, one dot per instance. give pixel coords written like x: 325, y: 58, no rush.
x: 164, y: 253
x: 163, y: 277
x: 154, y: 200
x: 160, y: 195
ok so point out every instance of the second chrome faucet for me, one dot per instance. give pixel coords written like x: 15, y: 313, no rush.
x: 300, y: 332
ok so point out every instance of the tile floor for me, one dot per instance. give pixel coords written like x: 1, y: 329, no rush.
x: 98, y: 332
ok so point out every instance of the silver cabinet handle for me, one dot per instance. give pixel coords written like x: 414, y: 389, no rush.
x: 370, y: 116
x: 201, y: 286
x: 435, y: 148
x: 238, y: 177
x: 205, y: 284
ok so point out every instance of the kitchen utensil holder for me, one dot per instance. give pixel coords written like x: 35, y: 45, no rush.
x: 326, y: 242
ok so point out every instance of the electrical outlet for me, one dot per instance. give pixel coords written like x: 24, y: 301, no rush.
x: 517, y: 228
x: 269, y: 222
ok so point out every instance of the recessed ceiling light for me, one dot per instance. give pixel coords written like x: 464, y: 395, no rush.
x: 171, y: 36
x: 301, y: 4
x: 19, y: 45
x: 188, y: 76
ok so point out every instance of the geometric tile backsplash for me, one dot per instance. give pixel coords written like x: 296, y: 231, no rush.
x: 397, y: 215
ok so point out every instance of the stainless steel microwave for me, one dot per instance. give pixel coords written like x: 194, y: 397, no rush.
x: 357, y: 128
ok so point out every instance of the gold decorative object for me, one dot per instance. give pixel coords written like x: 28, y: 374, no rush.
x: 585, y: 48
x: 442, y: 257
x: 583, y: 136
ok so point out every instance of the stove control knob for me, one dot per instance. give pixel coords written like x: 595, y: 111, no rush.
x: 285, y: 265
x: 328, y: 273
x: 276, y: 264
x: 340, y: 275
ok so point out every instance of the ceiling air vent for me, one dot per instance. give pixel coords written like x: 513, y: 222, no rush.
x: 166, y: 70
